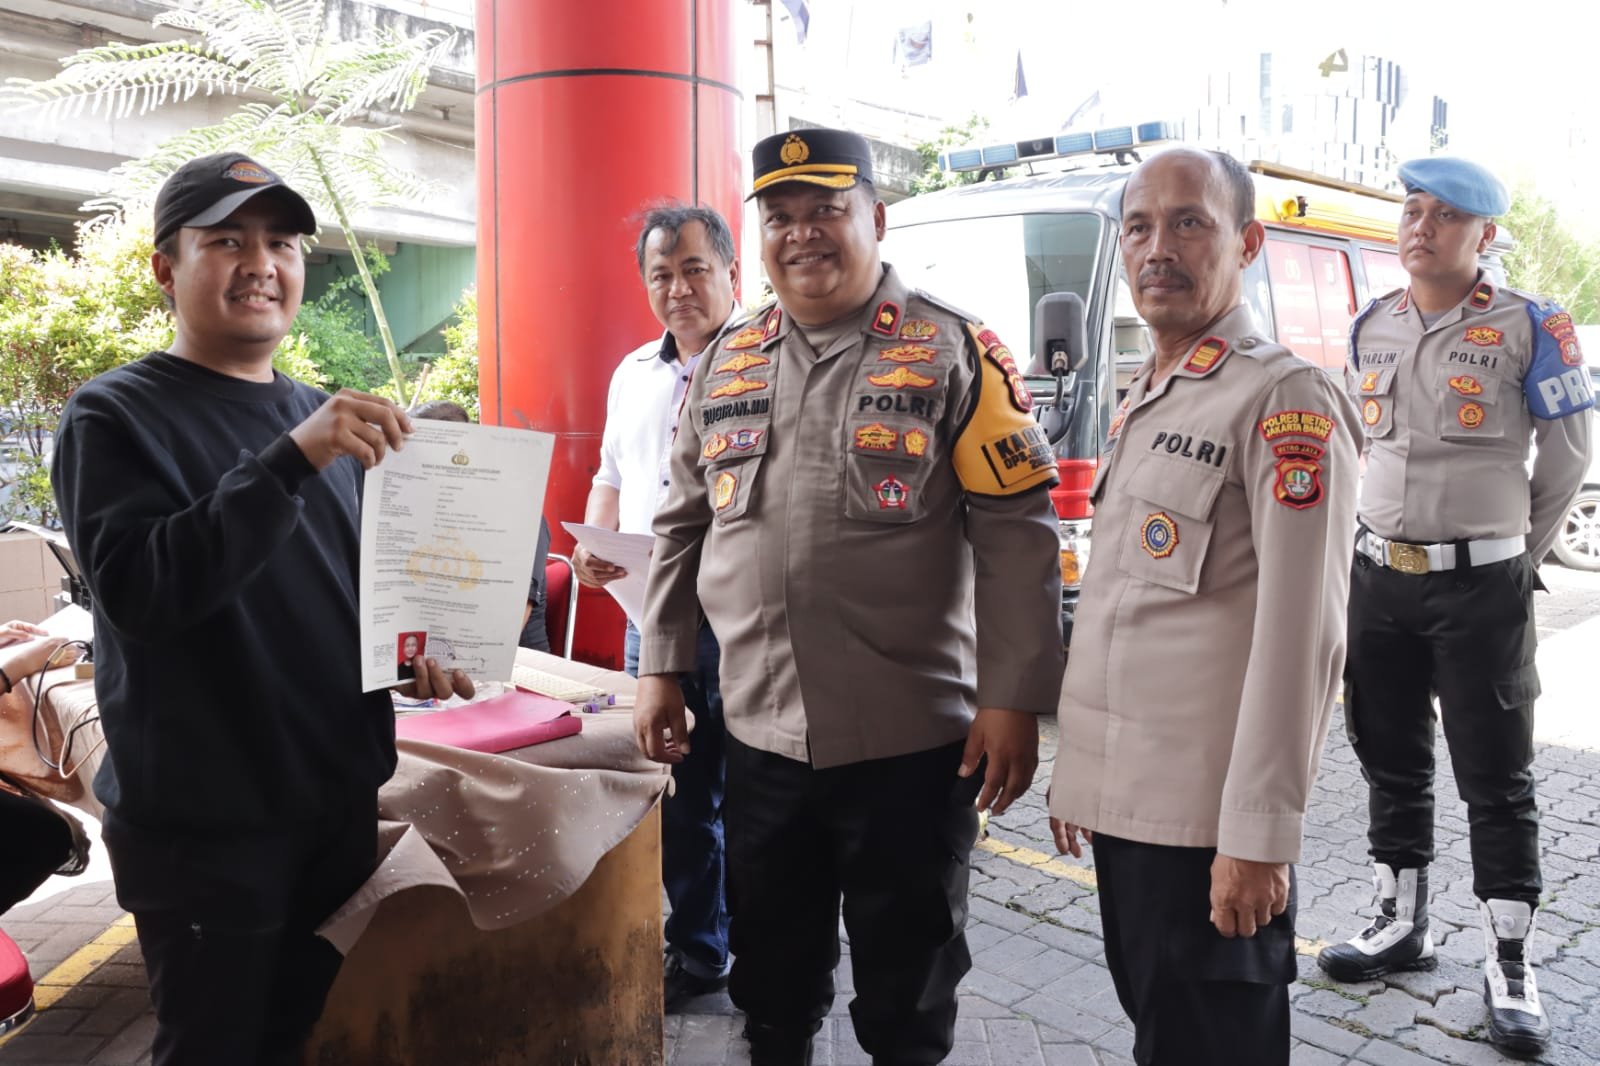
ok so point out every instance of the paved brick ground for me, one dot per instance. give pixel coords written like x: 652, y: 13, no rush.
x: 1039, y: 993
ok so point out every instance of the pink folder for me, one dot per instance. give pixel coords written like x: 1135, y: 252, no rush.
x: 506, y: 722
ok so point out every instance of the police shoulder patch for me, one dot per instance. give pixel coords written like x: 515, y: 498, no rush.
x: 1296, y: 424
x: 1001, y: 450
x: 1556, y: 383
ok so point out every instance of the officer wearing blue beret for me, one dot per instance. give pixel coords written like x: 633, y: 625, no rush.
x: 1453, y: 376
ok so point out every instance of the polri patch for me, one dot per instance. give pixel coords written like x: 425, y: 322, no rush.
x: 876, y: 438
x: 1467, y: 385
x: 1299, y: 483
x: 1559, y: 326
x: 886, y: 319
x: 902, y: 378
x: 1206, y: 355
x: 727, y: 485
x: 918, y: 329
x: 1158, y: 536
x: 1297, y: 424
x: 908, y: 353
x: 749, y: 337
x: 1371, y: 411
x: 737, y: 387
x: 742, y: 362
x: 715, y: 445
x: 1369, y: 381
x: 892, y: 494
x: 1001, y: 357
x: 1470, y: 415
x: 916, y: 443
x: 742, y: 440
x: 1483, y: 336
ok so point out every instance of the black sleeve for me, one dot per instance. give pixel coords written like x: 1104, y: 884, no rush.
x: 157, y: 563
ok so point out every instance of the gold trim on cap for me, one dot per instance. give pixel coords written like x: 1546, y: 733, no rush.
x: 815, y: 173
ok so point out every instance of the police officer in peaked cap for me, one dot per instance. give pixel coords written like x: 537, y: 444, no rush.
x: 859, y: 502
x: 1454, y: 375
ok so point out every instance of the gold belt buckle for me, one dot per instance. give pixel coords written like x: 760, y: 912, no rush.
x: 1408, y: 558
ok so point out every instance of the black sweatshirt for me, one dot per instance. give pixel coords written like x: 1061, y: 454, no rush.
x: 224, y: 570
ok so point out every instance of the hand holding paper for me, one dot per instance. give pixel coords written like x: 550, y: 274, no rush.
x: 630, y: 551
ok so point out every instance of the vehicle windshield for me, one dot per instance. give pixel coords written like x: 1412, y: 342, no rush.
x: 969, y: 262
x: 972, y: 263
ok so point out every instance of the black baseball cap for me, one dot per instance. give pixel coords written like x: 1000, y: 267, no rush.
x: 834, y: 159
x: 207, y: 190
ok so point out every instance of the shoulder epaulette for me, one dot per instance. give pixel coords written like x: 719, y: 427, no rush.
x: 947, y: 308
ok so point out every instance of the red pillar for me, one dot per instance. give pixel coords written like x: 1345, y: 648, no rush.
x: 586, y: 113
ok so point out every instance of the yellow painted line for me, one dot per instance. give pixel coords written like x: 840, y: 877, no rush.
x: 50, y: 988
x: 1038, y: 860
x: 1049, y: 864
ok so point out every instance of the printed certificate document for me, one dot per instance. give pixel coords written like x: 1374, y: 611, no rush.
x: 449, y: 528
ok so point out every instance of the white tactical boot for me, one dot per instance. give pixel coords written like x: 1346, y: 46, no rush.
x: 1517, y: 1022
x: 1398, y: 938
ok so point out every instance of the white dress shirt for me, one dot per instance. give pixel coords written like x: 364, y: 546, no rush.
x: 641, y: 417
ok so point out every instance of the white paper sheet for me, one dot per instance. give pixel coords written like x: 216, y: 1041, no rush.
x: 631, y: 551
x: 449, y: 528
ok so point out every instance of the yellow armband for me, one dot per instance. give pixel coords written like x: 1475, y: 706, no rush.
x: 1002, y: 450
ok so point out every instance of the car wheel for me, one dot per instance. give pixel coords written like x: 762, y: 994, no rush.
x: 1578, y: 543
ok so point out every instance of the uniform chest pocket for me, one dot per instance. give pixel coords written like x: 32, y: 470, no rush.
x: 886, y: 464
x: 1373, y: 391
x: 1471, y: 403
x: 730, y: 461
x: 1170, y: 521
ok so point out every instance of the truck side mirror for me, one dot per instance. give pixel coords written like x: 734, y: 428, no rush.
x: 1059, y: 350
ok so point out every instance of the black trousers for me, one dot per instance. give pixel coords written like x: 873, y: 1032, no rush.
x: 1195, y: 997
x: 226, y: 922
x: 1468, y: 637
x: 892, y: 838
x: 34, y: 843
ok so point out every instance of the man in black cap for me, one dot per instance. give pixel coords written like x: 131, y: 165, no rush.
x: 859, y: 502
x: 213, y: 505
x: 1454, y: 376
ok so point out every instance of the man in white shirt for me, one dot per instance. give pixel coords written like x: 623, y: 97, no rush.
x: 686, y: 257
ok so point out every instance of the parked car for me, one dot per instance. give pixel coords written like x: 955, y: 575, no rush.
x: 1578, y: 544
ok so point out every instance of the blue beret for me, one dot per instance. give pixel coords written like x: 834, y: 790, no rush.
x: 1464, y: 186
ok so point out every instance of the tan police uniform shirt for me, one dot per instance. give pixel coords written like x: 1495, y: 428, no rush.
x: 1448, y: 410
x: 1210, y: 635
x: 868, y: 531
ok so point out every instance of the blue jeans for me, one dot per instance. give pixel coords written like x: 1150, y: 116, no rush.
x: 692, y: 848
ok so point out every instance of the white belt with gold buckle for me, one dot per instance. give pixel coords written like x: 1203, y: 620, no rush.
x: 1430, y: 558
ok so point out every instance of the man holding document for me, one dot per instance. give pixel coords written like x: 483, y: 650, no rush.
x: 214, y: 507
x: 687, y: 260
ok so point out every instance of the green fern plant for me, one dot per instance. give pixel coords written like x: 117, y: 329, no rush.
x: 303, y: 100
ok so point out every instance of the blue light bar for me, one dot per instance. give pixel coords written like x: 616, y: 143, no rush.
x: 1038, y: 148
x: 1158, y: 131
x: 1117, y: 139
x: 964, y: 159
x: 1113, y: 138
x: 1074, y: 143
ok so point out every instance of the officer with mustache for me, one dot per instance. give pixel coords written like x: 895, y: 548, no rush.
x: 1210, y: 634
x: 1453, y: 376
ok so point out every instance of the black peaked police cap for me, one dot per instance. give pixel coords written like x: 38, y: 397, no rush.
x: 836, y: 159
